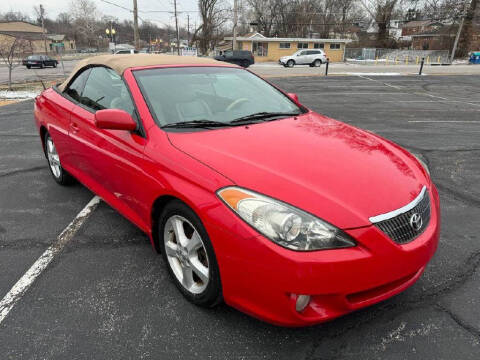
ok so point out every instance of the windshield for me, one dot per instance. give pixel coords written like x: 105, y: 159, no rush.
x: 220, y: 94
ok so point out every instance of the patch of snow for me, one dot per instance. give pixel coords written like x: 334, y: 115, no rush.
x: 21, y: 94
x: 367, y: 60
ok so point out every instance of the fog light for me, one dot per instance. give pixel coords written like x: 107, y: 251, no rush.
x: 302, y: 302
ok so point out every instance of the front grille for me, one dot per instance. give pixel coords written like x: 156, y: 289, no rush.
x: 400, y: 229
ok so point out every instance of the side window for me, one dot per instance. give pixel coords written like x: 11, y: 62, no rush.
x: 74, y: 90
x: 105, y: 89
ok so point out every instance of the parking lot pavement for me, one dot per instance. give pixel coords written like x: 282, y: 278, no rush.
x: 108, y: 296
x: 22, y: 74
x: 349, y: 69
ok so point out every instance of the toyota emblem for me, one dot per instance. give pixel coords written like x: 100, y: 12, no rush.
x: 416, y: 222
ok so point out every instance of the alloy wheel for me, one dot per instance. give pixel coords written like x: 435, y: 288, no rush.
x: 186, y: 254
x: 53, y: 158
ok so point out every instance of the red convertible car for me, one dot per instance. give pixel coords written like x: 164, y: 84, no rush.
x: 250, y: 197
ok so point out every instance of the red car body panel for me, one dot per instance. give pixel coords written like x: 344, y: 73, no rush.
x: 271, y: 159
x: 339, y: 173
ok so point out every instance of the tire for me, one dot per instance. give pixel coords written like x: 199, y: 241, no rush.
x: 245, y: 64
x: 290, y: 63
x: 28, y: 66
x: 317, y: 63
x: 185, y: 265
x: 59, y: 174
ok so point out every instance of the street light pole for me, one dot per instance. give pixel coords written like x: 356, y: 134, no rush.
x: 188, y: 30
x: 235, y: 19
x: 42, y: 12
x: 176, y: 26
x: 111, y: 33
x: 459, y: 32
x: 135, y: 25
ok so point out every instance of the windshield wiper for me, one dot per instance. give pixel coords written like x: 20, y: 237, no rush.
x: 262, y: 116
x: 196, y: 124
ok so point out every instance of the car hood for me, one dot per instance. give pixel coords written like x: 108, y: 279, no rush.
x: 337, y: 172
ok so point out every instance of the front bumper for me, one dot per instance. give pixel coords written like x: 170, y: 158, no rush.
x: 263, y: 279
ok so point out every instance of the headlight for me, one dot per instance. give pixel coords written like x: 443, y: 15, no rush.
x: 422, y: 161
x: 282, y: 223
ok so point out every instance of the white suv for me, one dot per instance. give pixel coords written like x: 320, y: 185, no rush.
x: 312, y: 57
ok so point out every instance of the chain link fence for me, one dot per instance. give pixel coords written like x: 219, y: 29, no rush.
x: 395, y: 56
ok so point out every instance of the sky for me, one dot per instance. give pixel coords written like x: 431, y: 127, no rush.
x: 54, y: 7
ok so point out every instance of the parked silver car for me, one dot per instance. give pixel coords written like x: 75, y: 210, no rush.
x: 313, y: 57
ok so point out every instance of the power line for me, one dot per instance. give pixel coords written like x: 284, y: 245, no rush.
x: 119, y: 6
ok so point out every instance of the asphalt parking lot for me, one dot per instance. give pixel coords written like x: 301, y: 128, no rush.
x: 107, y: 295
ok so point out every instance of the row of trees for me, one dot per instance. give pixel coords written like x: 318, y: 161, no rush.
x: 327, y: 18
x: 283, y: 18
x: 84, y: 23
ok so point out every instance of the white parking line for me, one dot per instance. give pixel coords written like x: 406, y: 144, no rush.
x: 22, y: 285
x: 384, y: 83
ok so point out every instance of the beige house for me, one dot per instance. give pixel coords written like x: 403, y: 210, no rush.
x: 21, y: 29
x: 272, y: 49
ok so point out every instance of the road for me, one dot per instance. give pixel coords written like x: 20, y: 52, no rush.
x: 22, y: 74
x: 107, y: 295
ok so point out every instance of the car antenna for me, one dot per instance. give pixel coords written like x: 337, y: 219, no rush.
x: 39, y: 78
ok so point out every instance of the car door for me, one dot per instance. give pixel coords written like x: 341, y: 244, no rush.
x: 110, y: 159
x: 311, y: 54
x: 59, y: 115
x: 302, y: 58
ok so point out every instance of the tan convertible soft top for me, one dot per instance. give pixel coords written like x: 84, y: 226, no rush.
x: 120, y: 63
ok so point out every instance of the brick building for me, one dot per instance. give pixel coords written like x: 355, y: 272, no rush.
x: 272, y: 49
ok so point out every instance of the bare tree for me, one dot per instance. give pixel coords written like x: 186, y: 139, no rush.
x: 12, y: 51
x: 303, y: 18
x: 382, y: 12
x: 85, y: 15
x: 214, y: 15
x: 265, y: 14
x: 41, y: 14
x: 14, y: 16
x: 466, y: 38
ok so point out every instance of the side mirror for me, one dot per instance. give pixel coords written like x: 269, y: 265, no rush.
x: 294, y: 97
x: 114, y: 119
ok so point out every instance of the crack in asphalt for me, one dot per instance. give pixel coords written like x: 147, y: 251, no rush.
x: 469, y: 328
x: 458, y: 195
x: 471, y: 265
x: 21, y: 171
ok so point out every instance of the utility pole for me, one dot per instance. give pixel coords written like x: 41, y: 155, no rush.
x: 188, y: 29
x: 459, y: 32
x: 42, y: 12
x: 176, y: 26
x: 135, y: 25
x: 235, y: 19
